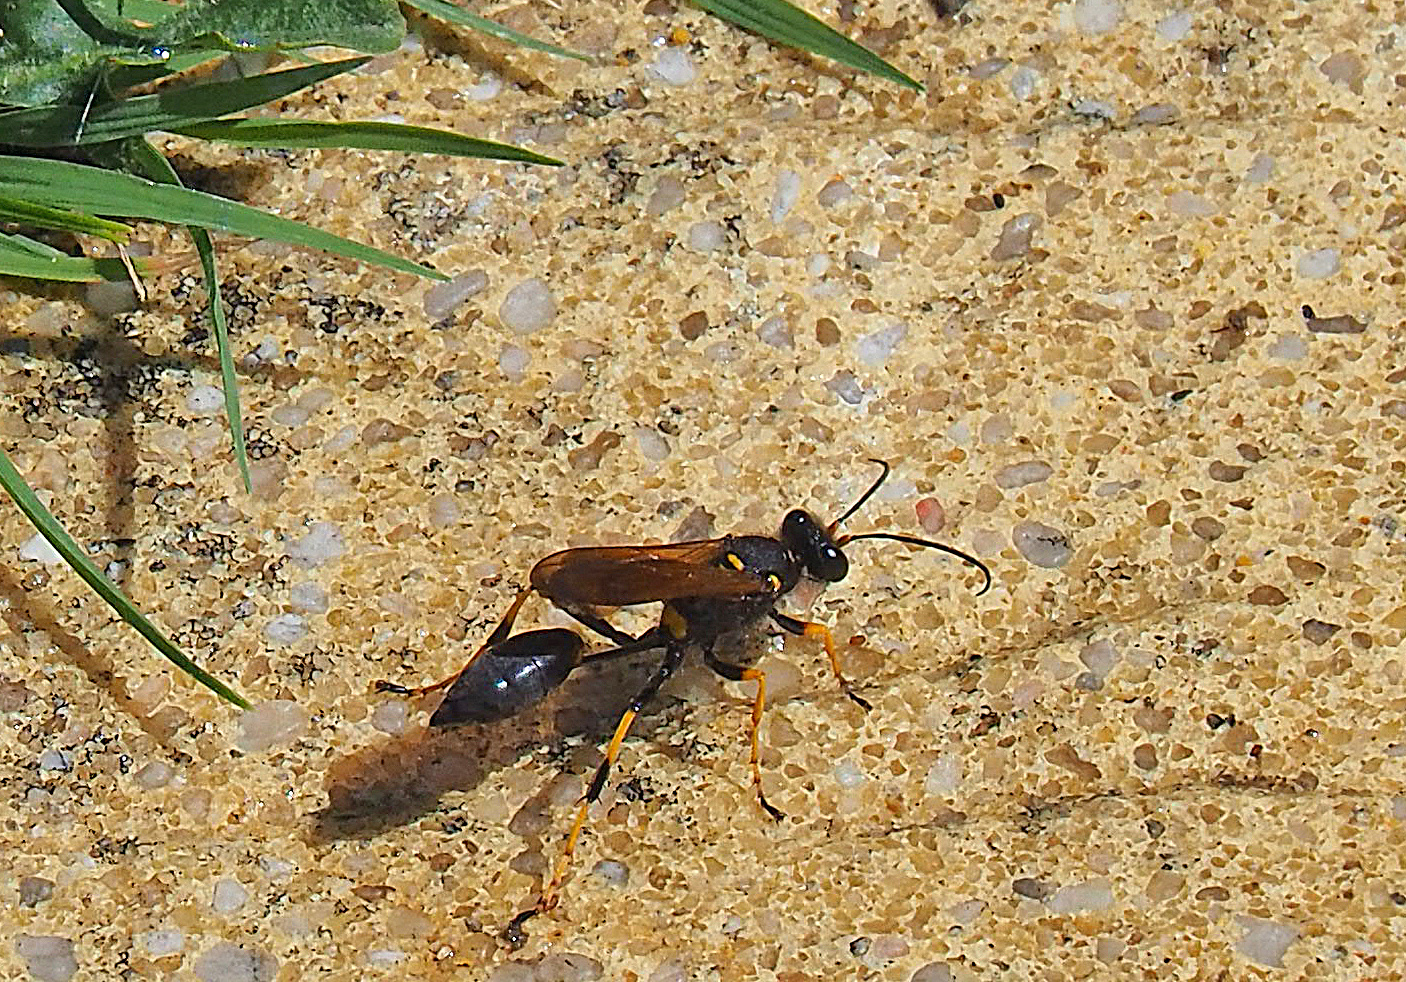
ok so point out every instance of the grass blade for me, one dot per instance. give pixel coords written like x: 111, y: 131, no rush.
x: 317, y: 134
x: 65, y: 125
x: 61, y: 184
x: 38, y: 216
x: 454, y: 14
x: 159, y: 168
x: 20, y: 256
x: 48, y: 526
x: 790, y: 25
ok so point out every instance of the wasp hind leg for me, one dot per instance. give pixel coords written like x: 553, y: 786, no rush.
x: 551, y: 894
x: 736, y: 673
x: 499, y: 635
x: 810, y: 629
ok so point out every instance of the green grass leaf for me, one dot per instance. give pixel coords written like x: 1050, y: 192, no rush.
x: 158, y: 168
x: 790, y: 25
x: 317, y: 134
x: 60, y: 219
x: 60, y: 184
x: 48, y: 526
x: 64, y: 125
x: 20, y: 256
x: 455, y: 14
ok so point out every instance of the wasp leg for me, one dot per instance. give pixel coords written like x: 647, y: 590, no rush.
x: 596, y: 623
x: 499, y: 635
x: 810, y: 629
x: 551, y: 895
x: 736, y: 673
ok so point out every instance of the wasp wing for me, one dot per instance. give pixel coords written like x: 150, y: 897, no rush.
x: 618, y: 576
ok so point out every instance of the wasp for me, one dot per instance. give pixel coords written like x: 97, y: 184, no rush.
x: 714, y: 592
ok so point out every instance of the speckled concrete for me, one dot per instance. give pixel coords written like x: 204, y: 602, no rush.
x: 1062, y: 292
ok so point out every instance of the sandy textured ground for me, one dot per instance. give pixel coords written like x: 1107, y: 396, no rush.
x: 1066, y: 286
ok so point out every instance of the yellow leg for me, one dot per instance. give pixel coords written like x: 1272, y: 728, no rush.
x: 759, y: 701
x: 810, y: 629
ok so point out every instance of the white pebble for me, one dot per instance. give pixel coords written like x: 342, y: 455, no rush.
x: 651, y: 443
x: 1099, y: 657
x: 837, y: 192
x: 671, y: 970
x: 384, y: 957
x: 1042, y: 545
x: 1319, y: 263
x: 486, y: 88
x: 54, y: 759
x: 775, y: 332
x: 1288, y: 347
x: 290, y: 416
x: 847, y: 387
x: 783, y: 198
x: 308, y: 598
x: 110, y: 297
x: 944, y: 776
x: 1097, y: 16
x: 1185, y: 204
x: 154, y: 774
x: 706, y: 236
x: 162, y: 942
x: 444, y: 511
x: 966, y: 912
x: 528, y: 307
x: 442, y: 298
x: 674, y: 67
x: 38, y: 549
x: 932, y: 972
x: 1265, y: 941
x: 876, y: 348
x: 1260, y: 168
x: 204, y: 400
x: 848, y: 776
x: 513, y: 360
x: 48, y: 958
x: 229, y: 896
x: 270, y: 723
x: 1023, y: 82
x: 1019, y: 475
x: 286, y: 629
x: 1175, y: 27
x: 228, y: 962
x: 612, y: 871
x: 668, y: 194
x: 321, y: 545
x: 1080, y: 897
x: 277, y: 869
x: 390, y: 717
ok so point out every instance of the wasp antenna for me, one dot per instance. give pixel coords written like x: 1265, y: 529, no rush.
x: 926, y: 544
x: 865, y: 496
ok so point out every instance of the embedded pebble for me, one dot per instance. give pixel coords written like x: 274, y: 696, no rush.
x: 1175, y: 27
x: 444, y: 511
x: 966, y: 912
x: 34, y: 890
x: 48, y: 958
x: 668, y: 194
x: 706, y: 236
x: 1081, y: 897
x: 1185, y: 204
x: 651, y: 443
x: 612, y: 871
x: 110, y: 297
x: 1288, y: 347
x: 489, y: 85
x: 1099, y: 657
x: 1097, y: 16
x: 384, y: 957
x: 1265, y: 941
x: 54, y: 759
x: 1260, y: 169
x: 775, y: 332
x: 836, y: 192
x: 154, y: 774
x: 513, y: 360
x: 38, y: 549
x: 528, y: 307
x: 876, y: 348
x: 1042, y: 545
x: 944, y: 776
x: 989, y: 67
x: 271, y: 723
x: 1023, y: 82
x: 228, y: 962
x: 391, y: 717
x: 442, y: 298
x: 674, y: 67
x: 785, y: 195
x: 845, y: 385
x: 286, y: 629
x: 320, y: 546
x: 931, y: 515
x: 568, y: 966
x: 1318, y: 264
x: 307, y: 598
x: 1019, y: 475
x: 848, y: 776
x: 162, y: 942
x: 205, y: 400
x: 1015, y: 237
x: 229, y: 896
x: 290, y: 416
x: 932, y: 972
x: 1340, y: 324
x: 671, y: 970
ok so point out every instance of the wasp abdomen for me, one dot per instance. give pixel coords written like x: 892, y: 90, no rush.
x: 510, y: 677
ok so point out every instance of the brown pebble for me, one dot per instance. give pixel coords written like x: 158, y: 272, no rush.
x: 382, y: 430
x: 1305, y: 570
x: 693, y: 326
x: 1034, y: 889
x: 827, y: 332
x: 1159, y: 513
x: 1218, y: 894
x: 1318, y: 631
x: 1221, y: 471
x: 588, y: 458
x: 1268, y: 596
x: 1208, y: 528
x: 1341, y: 324
x: 1145, y: 756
